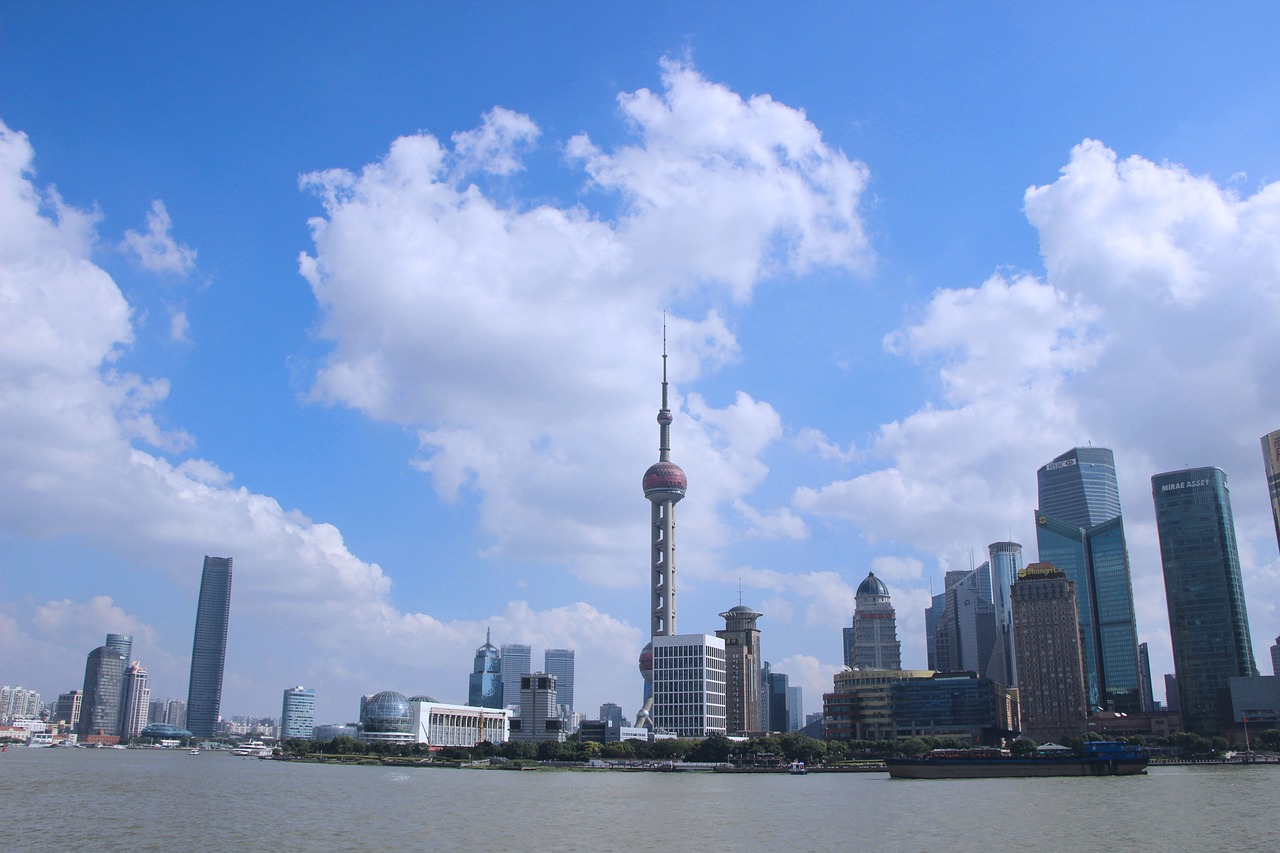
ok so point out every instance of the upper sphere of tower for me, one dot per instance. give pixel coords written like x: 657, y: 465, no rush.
x: 872, y: 586
x: 665, y: 477
x: 664, y: 417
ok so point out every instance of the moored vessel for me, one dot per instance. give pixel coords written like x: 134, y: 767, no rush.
x: 1097, y: 758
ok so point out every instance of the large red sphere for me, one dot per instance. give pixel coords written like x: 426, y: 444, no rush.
x: 664, y: 477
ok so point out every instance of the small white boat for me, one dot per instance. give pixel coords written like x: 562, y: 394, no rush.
x: 194, y: 752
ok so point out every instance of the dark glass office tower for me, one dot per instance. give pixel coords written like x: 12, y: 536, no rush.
x: 209, y: 649
x: 103, y: 685
x: 1208, y: 623
x: 1079, y: 528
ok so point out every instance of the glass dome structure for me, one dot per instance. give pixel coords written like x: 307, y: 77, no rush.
x: 386, y: 713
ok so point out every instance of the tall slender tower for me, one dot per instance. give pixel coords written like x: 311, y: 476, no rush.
x: 209, y: 648
x: 742, y: 670
x: 664, y: 486
x: 136, y: 702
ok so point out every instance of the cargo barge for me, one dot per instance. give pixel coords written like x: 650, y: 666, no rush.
x: 1098, y: 758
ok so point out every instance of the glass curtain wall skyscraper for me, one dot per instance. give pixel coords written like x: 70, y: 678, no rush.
x: 515, y: 660
x: 559, y: 662
x: 103, y: 690
x: 1208, y: 622
x: 209, y: 647
x: 1080, y: 529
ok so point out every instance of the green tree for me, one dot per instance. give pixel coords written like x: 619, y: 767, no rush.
x: 714, y: 748
x: 621, y: 749
x: 1023, y: 746
x: 518, y: 749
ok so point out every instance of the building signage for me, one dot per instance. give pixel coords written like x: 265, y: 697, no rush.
x: 1186, y: 484
x: 1065, y: 463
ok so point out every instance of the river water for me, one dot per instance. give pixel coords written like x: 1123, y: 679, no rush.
x: 102, y: 799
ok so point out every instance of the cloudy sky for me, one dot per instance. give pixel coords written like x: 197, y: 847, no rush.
x: 371, y: 299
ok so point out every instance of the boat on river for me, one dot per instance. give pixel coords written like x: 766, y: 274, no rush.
x: 254, y: 748
x: 1097, y: 758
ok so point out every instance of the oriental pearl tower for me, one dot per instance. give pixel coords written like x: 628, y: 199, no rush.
x: 664, y: 485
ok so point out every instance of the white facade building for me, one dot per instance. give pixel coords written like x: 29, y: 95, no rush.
x: 438, y: 725
x: 689, y: 684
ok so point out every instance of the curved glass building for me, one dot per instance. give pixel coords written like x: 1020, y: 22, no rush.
x: 209, y: 648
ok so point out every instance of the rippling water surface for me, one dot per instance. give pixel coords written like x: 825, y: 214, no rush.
x: 93, y: 799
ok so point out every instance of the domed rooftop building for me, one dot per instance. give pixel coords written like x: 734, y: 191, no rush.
x: 872, y: 641
x: 872, y: 586
x: 386, y: 717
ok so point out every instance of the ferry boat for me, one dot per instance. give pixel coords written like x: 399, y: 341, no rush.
x: 1098, y: 758
x: 255, y: 748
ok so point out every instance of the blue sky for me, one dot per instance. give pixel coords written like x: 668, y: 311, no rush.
x: 370, y: 297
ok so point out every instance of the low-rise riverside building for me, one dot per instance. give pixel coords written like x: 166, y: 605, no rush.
x: 861, y: 705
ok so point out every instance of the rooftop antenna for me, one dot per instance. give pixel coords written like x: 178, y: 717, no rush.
x: 739, y: 592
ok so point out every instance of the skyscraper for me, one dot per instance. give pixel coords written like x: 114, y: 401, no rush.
x: 1006, y: 562
x: 559, y: 662
x: 1047, y: 641
x: 742, y: 670
x: 1271, y: 464
x: 298, y: 713
x: 1144, y: 671
x: 1208, y: 622
x: 484, y: 685
x: 872, y: 641
x: 209, y: 647
x: 1080, y: 529
x: 514, y: 662
x: 1275, y: 658
x: 103, y: 686
x: 779, y: 702
x: 962, y: 624
x: 136, y: 701
x: 664, y: 485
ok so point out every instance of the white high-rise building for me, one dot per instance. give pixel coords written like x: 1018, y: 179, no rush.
x: 136, y: 702
x: 689, y: 685
x: 298, y: 714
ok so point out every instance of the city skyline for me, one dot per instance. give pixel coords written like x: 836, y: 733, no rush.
x: 400, y: 360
